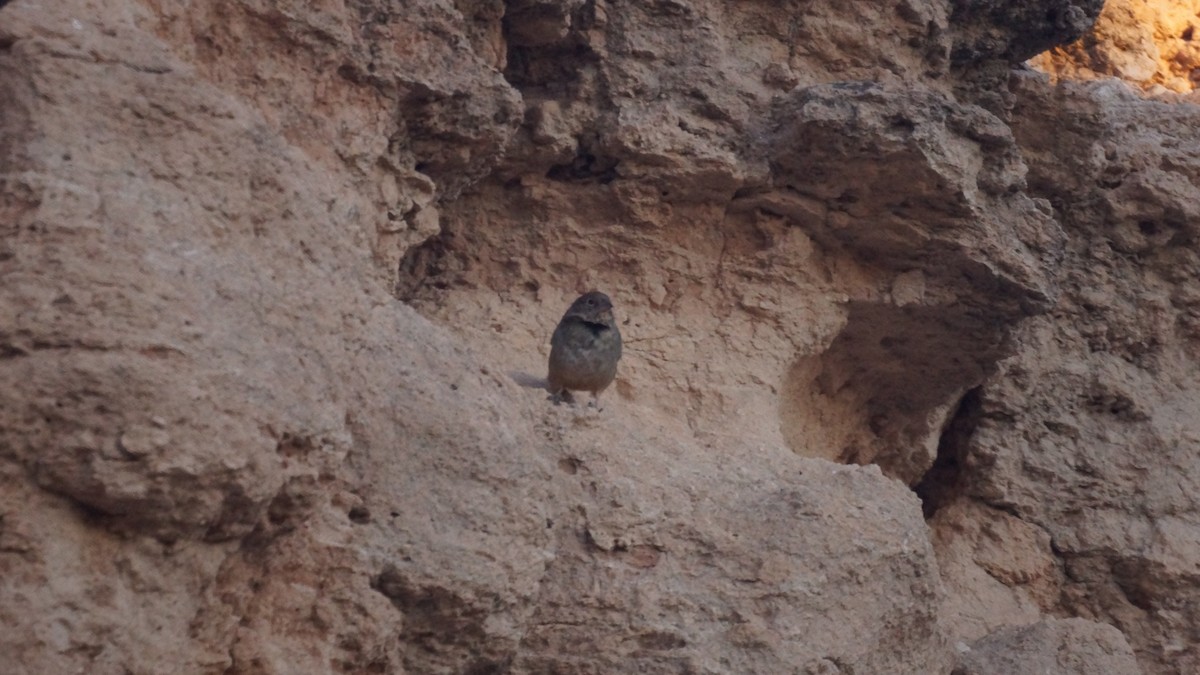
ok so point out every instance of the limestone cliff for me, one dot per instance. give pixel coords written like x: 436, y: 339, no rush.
x: 912, y: 368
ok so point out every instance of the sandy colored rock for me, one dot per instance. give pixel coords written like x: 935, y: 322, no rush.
x: 1152, y: 44
x: 910, y: 339
x: 998, y: 570
x: 1084, y: 432
x: 638, y: 590
x: 171, y: 429
x: 1053, y: 647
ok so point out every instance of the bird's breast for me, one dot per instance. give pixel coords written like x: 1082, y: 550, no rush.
x: 583, y: 355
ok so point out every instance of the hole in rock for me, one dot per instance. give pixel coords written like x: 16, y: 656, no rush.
x: 91, y: 515
x: 884, y: 389
x: 435, y: 617
x: 944, y: 480
x: 1134, y: 581
x: 430, y: 265
x: 586, y: 167
x: 552, y: 68
x: 359, y: 515
x: 903, y: 123
x: 570, y: 465
x: 888, y: 386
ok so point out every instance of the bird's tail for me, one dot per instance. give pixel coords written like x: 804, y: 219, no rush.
x: 527, y: 380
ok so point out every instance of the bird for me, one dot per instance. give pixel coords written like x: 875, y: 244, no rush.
x: 584, y: 351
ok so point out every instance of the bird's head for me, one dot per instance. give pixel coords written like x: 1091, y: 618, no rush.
x: 592, y: 306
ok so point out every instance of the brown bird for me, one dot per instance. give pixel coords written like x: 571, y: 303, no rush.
x: 584, y: 350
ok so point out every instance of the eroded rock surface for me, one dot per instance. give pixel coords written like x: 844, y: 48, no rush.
x: 1086, y: 432
x: 910, y: 341
x: 1053, y: 647
x: 1151, y: 44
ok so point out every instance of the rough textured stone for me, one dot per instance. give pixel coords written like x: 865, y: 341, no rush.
x: 1086, y: 431
x: 1015, y: 31
x: 262, y: 269
x: 998, y: 570
x: 1051, y: 647
x: 1152, y: 44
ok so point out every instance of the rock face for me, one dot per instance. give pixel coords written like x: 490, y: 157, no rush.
x: 912, y: 340
x: 1052, y: 647
x: 1152, y: 44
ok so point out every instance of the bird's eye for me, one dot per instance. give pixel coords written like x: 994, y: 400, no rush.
x: 591, y: 302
